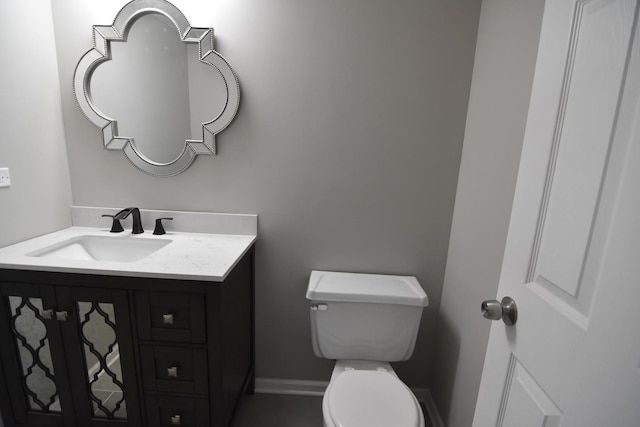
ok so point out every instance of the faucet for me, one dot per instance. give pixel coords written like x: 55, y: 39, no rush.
x: 137, y: 223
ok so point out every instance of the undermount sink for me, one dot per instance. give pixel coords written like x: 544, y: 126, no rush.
x: 102, y: 248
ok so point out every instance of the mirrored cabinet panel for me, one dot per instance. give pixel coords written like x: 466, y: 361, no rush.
x: 32, y: 345
x: 102, y: 359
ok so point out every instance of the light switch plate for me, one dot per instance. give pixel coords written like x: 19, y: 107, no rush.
x: 5, y: 178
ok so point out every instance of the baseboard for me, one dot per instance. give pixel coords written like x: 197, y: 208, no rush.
x: 432, y: 410
x: 317, y: 388
x: 293, y: 387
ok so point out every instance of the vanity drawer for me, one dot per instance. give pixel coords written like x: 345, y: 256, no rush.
x: 171, y: 317
x: 177, y: 411
x: 174, y: 369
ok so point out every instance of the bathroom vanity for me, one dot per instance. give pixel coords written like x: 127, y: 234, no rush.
x: 163, y: 340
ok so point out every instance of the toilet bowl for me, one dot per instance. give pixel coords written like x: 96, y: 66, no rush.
x: 365, y: 321
x: 369, y: 394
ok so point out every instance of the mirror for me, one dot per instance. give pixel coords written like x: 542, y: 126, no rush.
x: 156, y: 88
x: 34, y: 352
x: 102, y: 359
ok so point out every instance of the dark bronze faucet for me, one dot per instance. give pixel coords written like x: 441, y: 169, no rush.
x: 137, y: 223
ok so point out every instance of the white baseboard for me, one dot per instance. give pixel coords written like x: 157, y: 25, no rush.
x: 317, y: 388
x: 293, y: 387
x: 432, y: 410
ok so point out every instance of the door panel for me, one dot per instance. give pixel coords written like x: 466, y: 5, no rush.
x: 36, y: 394
x: 524, y: 402
x: 103, y: 377
x: 34, y: 352
x: 595, y: 62
x: 97, y: 331
x: 571, y: 259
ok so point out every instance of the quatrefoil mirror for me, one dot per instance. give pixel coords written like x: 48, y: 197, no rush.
x: 156, y: 87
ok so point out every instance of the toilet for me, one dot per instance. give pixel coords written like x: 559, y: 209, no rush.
x: 364, y: 322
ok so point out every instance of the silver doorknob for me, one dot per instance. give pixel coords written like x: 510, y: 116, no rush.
x: 505, y: 310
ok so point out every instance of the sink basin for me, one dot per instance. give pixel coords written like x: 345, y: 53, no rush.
x: 102, y: 248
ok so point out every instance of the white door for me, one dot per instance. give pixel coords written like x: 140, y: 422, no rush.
x: 572, y: 259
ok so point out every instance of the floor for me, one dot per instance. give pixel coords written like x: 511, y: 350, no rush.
x: 277, y: 410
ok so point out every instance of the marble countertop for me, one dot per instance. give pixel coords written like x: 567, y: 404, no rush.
x: 189, y: 256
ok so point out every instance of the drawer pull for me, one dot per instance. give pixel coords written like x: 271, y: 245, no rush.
x: 61, y: 316
x: 172, y: 372
x: 47, y: 314
x: 176, y: 420
x: 167, y: 319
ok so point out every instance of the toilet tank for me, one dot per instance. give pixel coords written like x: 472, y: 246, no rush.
x: 364, y: 316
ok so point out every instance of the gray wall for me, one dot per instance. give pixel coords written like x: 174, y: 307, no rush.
x: 32, y: 145
x: 502, y: 76
x: 347, y: 145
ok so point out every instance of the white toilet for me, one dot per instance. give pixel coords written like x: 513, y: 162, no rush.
x: 365, y: 321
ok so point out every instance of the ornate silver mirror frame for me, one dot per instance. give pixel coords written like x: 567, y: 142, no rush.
x: 102, y: 37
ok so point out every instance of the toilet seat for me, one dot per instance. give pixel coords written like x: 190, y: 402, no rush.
x: 362, y: 398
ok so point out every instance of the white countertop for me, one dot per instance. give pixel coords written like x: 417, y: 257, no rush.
x: 189, y: 256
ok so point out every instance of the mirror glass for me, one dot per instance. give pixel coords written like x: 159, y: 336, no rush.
x: 146, y: 88
x: 34, y: 352
x: 102, y: 359
x: 156, y: 88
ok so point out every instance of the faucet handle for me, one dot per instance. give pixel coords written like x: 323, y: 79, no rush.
x: 159, y: 230
x: 116, y: 227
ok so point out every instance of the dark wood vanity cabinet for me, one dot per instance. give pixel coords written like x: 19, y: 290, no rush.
x: 95, y: 350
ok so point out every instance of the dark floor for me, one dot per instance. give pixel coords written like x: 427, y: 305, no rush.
x: 277, y: 410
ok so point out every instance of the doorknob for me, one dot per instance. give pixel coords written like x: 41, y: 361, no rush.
x: 505, y: 310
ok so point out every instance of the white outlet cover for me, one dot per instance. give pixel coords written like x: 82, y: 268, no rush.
x: 5, y: 178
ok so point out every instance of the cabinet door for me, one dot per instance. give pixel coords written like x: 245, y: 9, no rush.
x: 99, y: 349
x: 33, y: 358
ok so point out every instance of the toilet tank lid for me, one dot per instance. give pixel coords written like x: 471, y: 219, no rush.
x: 367, y: 288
